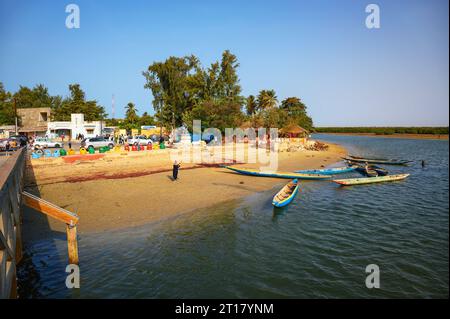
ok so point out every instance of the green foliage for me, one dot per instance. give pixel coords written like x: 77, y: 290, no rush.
x: 296, y: 112
x: 219, y: 115
x: 170, y: 83
x: 76, y: 103
x: 384, y: 130
x: 36, y: 97
x: 61, y: 109
x: 6, y: 107
x: 251, y: 105
x: 267, y: 99
x: 146, y: 119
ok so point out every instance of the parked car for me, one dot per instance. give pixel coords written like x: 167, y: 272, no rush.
x: 97, y: 142
x: 21, y: 140
x: 3, y: 143
x: 43, y: 142
x: 140, y: 140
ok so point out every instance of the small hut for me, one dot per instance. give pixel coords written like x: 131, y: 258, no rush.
x: 294, y: 131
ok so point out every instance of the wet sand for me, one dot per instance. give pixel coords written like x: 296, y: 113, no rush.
x: 105, y: 198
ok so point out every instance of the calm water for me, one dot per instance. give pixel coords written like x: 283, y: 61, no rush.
x: 318, y: 247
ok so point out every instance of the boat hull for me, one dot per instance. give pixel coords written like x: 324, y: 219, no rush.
x: 327, y: 171
x: 374, y: 161
x: 370, y: 180
x: 254, y: 172
x: 286, y: 201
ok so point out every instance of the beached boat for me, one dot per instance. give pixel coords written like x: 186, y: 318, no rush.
x: 370, y: 180
x: 257, y: 172
x: 376, y: 161
x: 286, y: 194
x: 328, y: 171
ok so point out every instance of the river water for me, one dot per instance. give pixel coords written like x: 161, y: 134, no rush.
x: 317, y: 247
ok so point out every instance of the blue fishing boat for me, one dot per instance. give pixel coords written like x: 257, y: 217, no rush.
x: 286, y: 194
x: 290, y: 175
x: 328, y: 171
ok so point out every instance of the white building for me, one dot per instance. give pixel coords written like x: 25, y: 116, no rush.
x: 77, y: 125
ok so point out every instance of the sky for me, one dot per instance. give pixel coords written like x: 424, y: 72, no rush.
x: 320, y: 51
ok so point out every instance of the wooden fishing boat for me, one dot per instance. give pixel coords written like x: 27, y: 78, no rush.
x: 377, y: 161
x: 370, y: 172
x: 290, y: 175
x: 360, y: 157
x: 370, y: 180
x: 286, y: 194
x: 328, y: 171
x: 380, y: 170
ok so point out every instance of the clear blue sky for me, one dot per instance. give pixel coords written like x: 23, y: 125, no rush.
x: 320, y: 51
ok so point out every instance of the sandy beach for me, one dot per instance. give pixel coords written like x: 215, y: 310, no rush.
x: 120, y: 191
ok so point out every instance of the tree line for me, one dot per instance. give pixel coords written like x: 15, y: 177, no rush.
x: 384, y: 130
x: 38, y: 96
x: 183, y: 90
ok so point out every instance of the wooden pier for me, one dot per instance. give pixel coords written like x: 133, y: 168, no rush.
x: 12, y: 197
x: 11, y: 186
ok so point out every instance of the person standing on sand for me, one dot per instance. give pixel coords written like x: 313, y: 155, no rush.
x: 176, y: 167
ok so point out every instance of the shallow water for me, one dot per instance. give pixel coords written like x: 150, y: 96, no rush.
x: 317, y: 247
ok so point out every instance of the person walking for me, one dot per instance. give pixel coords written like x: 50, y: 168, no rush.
x: 176, y: 167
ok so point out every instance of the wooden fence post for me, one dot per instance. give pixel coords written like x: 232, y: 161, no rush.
x: 72, y: 244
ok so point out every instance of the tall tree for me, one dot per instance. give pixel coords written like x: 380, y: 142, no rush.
x: 267, y: 99
x: 131, y: 114
x: 168, y: 82
x: 251, y: 105
x: 296, y: 111
x: 228, y: 78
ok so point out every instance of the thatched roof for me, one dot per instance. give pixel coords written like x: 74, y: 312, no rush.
x: 293, y: 129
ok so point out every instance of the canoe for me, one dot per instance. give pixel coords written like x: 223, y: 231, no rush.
x: 377, y: 161
x: 380, y: 170
x: 286, y: 194
x: 368, y: 170
x: 370, y: 180
x: 290, y: 175
x: 328, y: 171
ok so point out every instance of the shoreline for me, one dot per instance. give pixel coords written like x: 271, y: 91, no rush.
x: 109, y: 204
x: 405, y: 136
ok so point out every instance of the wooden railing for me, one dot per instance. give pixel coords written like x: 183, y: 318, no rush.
x: 11, y: 185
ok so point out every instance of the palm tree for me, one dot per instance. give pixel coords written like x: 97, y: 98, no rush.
x: 131, y: 113
x: 251, y: 105
x: 267, y: 99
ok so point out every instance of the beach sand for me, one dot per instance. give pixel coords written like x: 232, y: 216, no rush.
x: 121, y: 191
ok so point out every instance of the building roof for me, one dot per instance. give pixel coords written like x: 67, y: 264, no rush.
x: 293, y: 129
x: 32, y: 129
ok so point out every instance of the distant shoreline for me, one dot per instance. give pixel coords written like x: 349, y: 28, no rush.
x: 409, y: 136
